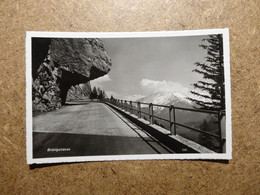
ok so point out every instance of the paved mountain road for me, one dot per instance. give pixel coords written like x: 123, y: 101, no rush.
x: 89, y: 128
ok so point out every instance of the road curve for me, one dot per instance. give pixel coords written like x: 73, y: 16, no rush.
x: 89, y: 128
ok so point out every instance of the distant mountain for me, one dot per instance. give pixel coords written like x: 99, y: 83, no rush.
x: 167, y: 98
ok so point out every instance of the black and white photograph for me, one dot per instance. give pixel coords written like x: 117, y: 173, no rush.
x: 128, y: 96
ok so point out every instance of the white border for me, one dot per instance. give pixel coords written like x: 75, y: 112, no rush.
x: 29, y: 140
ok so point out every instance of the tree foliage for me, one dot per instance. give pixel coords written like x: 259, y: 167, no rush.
x: 101, y: 94
x: 93, y: 94
x: 210, y: 92
x: 97, y: 93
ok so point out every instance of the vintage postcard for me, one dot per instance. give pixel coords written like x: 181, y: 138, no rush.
x: 128, y: 96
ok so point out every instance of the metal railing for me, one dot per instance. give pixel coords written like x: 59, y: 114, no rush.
x: 135, y: 108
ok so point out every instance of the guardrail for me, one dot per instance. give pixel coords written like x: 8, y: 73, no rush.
x: 137, y: 110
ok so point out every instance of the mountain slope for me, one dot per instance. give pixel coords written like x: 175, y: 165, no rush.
x: 167, y: 98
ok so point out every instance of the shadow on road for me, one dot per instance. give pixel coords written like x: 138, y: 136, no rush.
x: 137, y: 130
x: 47, y: 145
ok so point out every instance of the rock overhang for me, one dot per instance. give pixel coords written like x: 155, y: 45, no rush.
x: 62, y: 63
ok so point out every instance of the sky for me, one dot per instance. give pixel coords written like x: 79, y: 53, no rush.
x: 141, y: 66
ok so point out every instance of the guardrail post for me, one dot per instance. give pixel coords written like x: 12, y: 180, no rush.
x: 121, y: 104
x: 139, y: 109
x: 125, y: 106
x: 174, y: 121
x: 170, y: 119
x: 131, y: 107
x: 151, y: 113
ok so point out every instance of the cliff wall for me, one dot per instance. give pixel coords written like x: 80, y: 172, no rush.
x: 60, y: 63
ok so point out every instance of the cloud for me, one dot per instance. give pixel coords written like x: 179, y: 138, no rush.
x: 102, y: 79
x: 99, y: 82
x: 151, y: 86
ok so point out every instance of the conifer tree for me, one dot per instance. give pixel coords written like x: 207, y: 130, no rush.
x: 93, y: 94
x: 213, y: 76
x: 100, y: 95
x: 103, y: 94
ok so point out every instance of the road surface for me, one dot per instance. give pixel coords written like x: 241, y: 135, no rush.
x: 89, y: 128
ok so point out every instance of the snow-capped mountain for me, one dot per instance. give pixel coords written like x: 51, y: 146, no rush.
x: 167, y: 98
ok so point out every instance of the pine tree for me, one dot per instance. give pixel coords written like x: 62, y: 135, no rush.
x: 103, y: 94
x: 98, y: 93
x: 100, y: 96
x: 93, y: 94
x: 213, y: 75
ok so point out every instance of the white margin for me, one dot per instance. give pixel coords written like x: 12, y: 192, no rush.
x: 29, y: 139
x: 29, y: 126
x: 226, y: 50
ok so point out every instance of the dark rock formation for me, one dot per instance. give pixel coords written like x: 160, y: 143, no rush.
x: 59, y: 63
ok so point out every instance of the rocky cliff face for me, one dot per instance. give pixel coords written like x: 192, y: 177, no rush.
x: 79, y: 92
x: 60, y: 63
